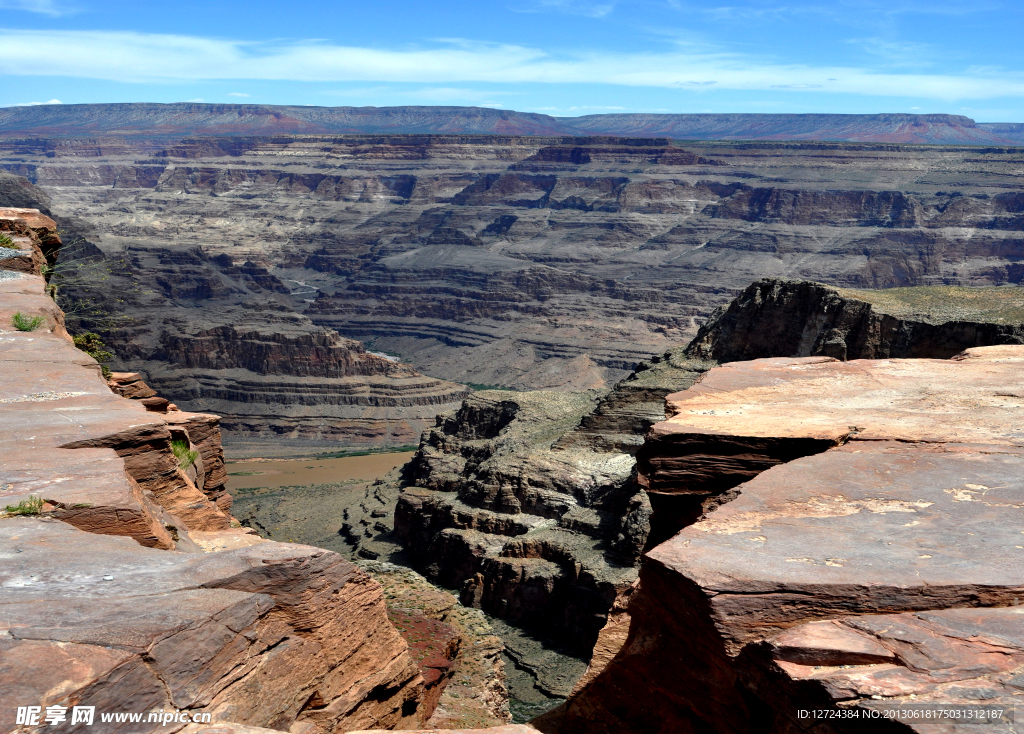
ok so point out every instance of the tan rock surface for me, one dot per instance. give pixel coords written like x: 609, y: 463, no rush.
x: 860, y: 538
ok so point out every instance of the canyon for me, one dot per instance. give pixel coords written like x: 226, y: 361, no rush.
x: 818, y: 530
x: 823, y: 516
x: 522, y: 262
x: 530, y: 505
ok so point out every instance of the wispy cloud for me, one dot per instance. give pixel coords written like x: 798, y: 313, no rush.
x: 238, y: 94
x: 898, y: 53
x: 44, y: 7
x: 572, y: 7
x: 36, y: 104
x: 137, y: 57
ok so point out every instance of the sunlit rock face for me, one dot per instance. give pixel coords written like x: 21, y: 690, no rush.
x: 852, y: 540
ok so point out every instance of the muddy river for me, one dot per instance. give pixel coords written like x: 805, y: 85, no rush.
x: 294, y: 472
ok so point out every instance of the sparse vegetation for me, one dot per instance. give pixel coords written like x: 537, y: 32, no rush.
x: 24, y: 322
x: 7, y: 241
x: 186, y: 456
x: 91, y: 343
x: 82, y: 282
x: 31, y: 506
x: 366, y: 452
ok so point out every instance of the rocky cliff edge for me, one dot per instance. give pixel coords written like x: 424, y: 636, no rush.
x: 857, y: 549
x: 126, y: 584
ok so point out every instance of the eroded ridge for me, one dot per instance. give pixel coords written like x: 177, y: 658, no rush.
x: 883, y: 570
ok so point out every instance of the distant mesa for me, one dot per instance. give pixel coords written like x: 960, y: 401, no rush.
x: 172, y: 121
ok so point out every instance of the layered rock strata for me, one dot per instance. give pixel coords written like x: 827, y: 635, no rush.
x: 526, y: 501
x: 218, y: 335
x: 528, y: 262
x: 126, y: 586
x: 856, y: 547
x: 493, y: 511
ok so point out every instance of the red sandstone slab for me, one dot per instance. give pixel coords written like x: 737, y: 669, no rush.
x: 818, y: 397
x: 216, y: 629
x: 33, y: 219
x: 953, y: 657
x: 882, y: 525
x: 53, y: 398
x: 836, y: 508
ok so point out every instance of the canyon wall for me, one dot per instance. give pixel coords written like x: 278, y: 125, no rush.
x: 128, y: 586
x: 528, y: 503
x: 777, y: 318
x: 220, y: 336
x: 527, y: 262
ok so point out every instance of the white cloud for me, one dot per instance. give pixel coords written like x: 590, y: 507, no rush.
x: 36, y: 104
x: 45, y: 7
x: 137, y: 57
x: 196, y: 99
x: 238, y: 94
x: 572, y: 7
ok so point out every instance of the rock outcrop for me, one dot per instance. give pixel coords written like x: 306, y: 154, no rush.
x: 853, y: 543
x: 526, y: 502
x: 778, y: 318
x: 128, y: 587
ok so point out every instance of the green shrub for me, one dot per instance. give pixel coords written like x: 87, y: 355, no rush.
x: 7, y: 241
x: 31, y: 506
x: 23, y: 322
x: 186, y: 457
x: 91, y: 343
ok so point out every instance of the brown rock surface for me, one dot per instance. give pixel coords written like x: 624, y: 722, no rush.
x: 257, y: 635
x: 474, y: 694
x: 34, y: 240
x: 250, y: 631
x: 902, y: 501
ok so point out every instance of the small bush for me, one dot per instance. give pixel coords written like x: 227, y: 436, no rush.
x: 31, y: 506
x: 7, y: 241
x: 22, y: 322
x: 186, y: 457
x: 91, y: 343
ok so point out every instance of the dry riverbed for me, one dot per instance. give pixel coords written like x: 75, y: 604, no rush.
x: 253, y: 473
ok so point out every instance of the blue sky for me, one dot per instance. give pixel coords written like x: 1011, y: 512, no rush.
x: 560, y: 57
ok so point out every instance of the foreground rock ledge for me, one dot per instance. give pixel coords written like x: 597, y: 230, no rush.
x: 107, y: 597
x: 871, y: 555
